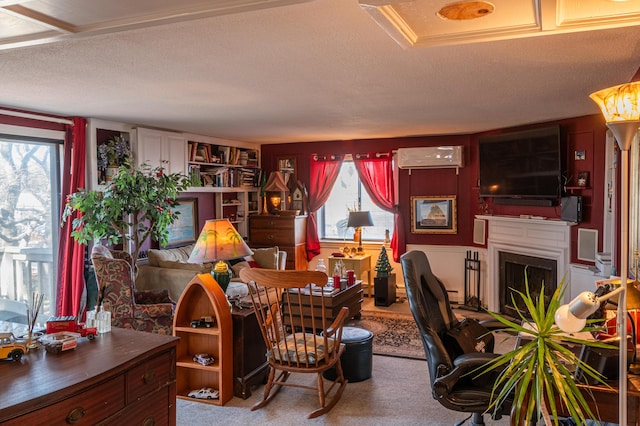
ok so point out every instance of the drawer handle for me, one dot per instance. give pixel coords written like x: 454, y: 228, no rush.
x: 271, y: 237
x: 149, y: 421
x: 75, y: 415
x: 149, y: 377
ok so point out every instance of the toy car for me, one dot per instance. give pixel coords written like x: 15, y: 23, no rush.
x: 204, y: 393
x: 10, y: 347
x: 202, y: 322
x: 69, y: 323
x: 204, y: 359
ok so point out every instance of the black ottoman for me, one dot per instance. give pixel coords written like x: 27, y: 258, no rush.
x: 357, y: 359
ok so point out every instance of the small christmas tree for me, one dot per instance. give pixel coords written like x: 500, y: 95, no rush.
x: 383, y: 267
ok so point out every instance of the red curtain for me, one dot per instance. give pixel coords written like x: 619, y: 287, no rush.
x: 70, y: 280
x: 323, y: 174
x: 377, y: 176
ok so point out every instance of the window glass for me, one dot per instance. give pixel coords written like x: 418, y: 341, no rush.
x: 347, y: 194
x: 29, y: 220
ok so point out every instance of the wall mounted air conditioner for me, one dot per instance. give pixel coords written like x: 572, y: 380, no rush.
x: 431, y: 157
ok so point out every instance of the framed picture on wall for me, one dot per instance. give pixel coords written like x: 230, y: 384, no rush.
x: 434, y: 215
x: 184, y: 230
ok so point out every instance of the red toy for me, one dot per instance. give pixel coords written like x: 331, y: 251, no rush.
x: 69, y: 323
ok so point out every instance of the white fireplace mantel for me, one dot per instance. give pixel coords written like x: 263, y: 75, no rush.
x: 530, y: 236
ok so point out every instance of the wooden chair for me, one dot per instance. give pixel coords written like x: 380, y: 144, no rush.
x: 300, y: 349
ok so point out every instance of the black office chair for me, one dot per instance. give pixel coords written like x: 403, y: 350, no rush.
x: 451, y: 385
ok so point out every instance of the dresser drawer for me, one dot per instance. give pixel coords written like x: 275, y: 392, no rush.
x: 272, y: 237
x: 272, y: 222
x: 153, y: 410
x: 87, y: 408
x: 150, y: 376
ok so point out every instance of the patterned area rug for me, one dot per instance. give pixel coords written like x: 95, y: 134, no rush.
x: 393, y: 334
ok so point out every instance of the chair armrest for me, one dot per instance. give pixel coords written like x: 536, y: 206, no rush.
x: 464, y: 364
x: 157, y: 310
x: 281, y: 260
x: 338, y: 322
x: 492, y: 324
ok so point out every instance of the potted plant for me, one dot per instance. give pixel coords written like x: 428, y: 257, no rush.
x: 134, y: 206
x: 537, y: 372
x: 112, y: 154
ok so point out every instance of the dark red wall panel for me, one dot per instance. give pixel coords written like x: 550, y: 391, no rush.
x: 582, y: 133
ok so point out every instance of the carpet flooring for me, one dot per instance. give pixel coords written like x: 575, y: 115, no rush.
x: 397, y: 394
x: 393, y: 334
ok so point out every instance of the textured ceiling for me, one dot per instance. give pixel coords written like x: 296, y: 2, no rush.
x: 316, y: 70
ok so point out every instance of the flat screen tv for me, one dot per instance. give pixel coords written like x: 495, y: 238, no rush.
x: 525, y: 165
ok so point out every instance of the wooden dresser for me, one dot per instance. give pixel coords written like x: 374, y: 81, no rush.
x: 124, y: 376
x: 289, y: 233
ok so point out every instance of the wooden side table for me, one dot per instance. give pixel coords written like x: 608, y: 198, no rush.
x: 250, y: 366
x: 359, y: 264
x: 350, y: 297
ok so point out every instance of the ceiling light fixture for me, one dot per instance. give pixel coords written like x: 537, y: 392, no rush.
x: 465, y: 10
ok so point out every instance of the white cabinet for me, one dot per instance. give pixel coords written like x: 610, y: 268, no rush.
x: 583, y: 278
x: 161, y: 149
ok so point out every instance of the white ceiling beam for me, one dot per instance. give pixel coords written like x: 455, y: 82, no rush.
x: 38, y: 18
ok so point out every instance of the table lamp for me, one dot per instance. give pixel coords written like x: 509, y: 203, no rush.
x: 572, y: 317
x: 276, y: 183
x: 219, y: 241
x: 357, y: 220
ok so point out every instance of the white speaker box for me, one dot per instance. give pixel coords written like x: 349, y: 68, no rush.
x: 479, y: 231
x: 587, y: 244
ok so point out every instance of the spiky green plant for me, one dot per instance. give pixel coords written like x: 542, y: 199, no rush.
x: 537, y: 373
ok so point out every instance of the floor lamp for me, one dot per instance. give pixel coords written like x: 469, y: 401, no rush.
x: 620, y: 106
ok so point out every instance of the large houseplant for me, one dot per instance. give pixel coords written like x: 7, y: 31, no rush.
x: 537, y: 372
x: 134, y: 206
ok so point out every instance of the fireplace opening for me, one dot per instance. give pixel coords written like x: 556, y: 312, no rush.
x: 538, y: 270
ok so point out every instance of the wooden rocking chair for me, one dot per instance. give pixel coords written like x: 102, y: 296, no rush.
x: 290, y: 316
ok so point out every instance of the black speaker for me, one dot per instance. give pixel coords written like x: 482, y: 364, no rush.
x: 571, y: 209
x: 385, y: 290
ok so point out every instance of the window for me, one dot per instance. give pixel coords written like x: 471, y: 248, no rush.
x: 347, y: 194
x: 29, y: 218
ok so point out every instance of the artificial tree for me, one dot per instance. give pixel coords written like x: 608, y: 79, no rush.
x: 383, y: 267
x: 135, y: 205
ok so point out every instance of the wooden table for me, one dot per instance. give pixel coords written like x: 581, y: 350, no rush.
x: 125, y: 377
x: 350, y: 297
x: 359, y: 264
x: 250, y: 366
